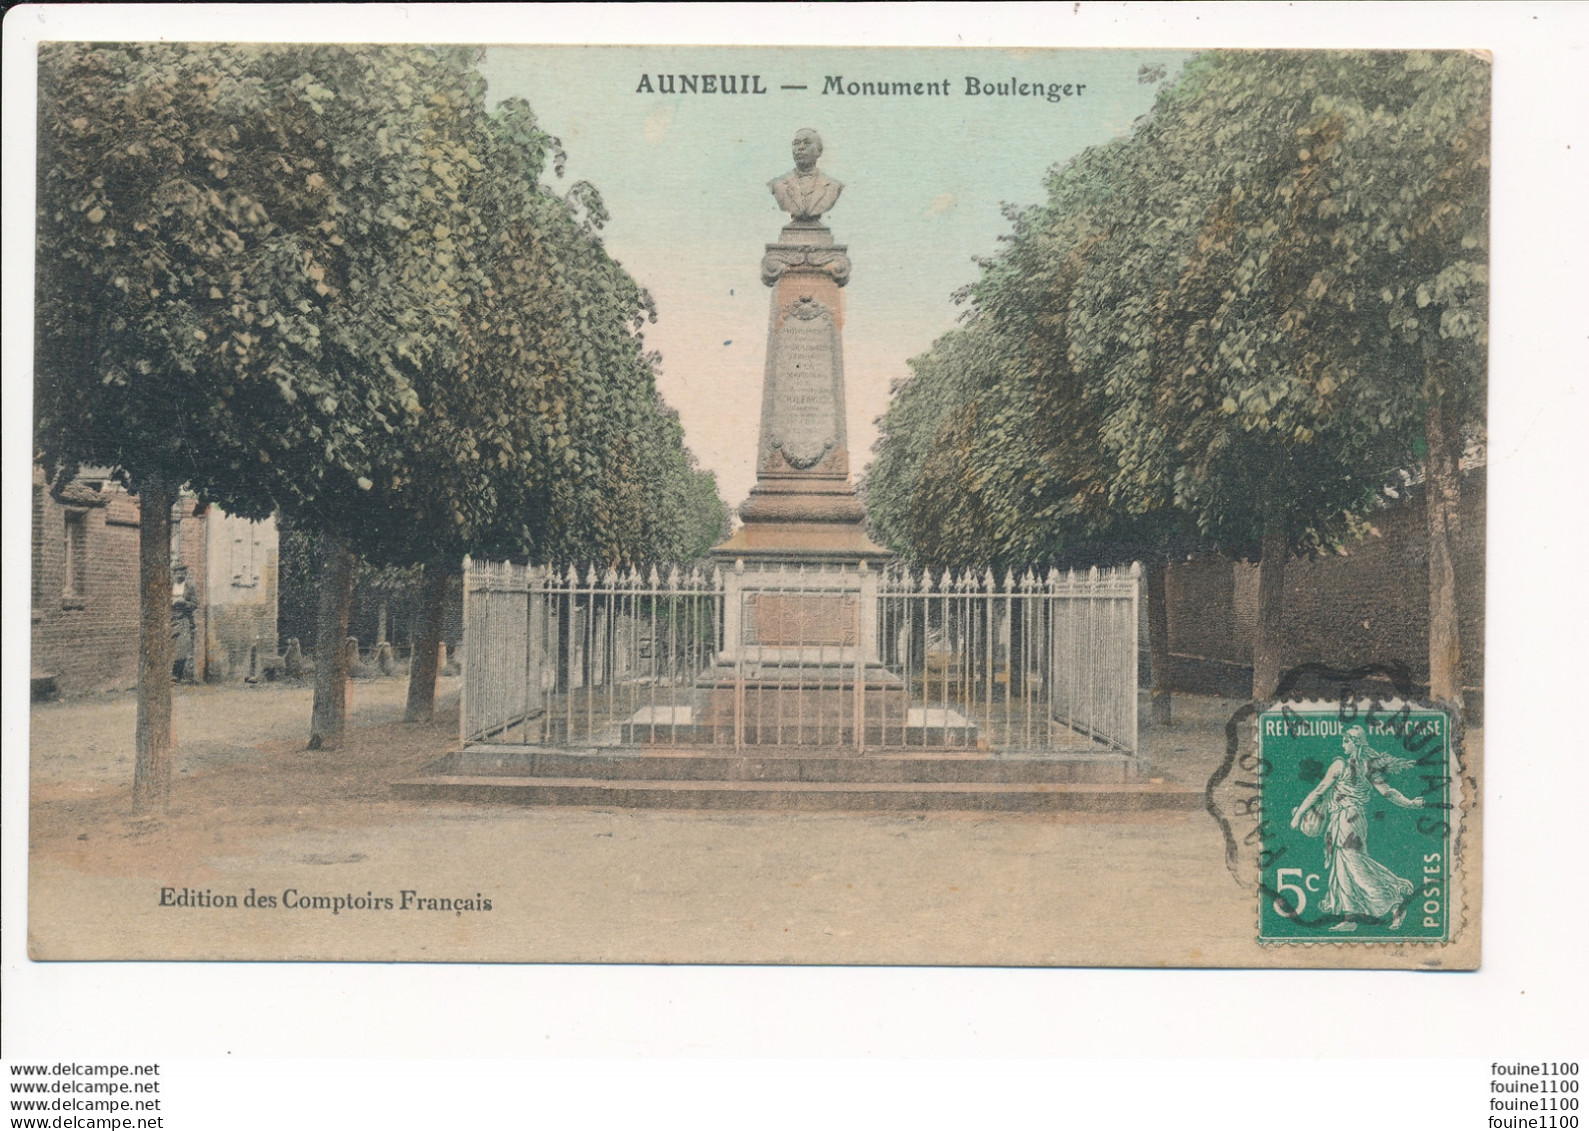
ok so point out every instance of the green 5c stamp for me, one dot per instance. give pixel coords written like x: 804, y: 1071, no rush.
x: 1356, y: 833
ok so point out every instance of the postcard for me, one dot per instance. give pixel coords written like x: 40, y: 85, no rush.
x: 737, y: 505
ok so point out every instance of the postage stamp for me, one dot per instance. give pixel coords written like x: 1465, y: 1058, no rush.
x: 1357, y: 832
x: 1346, y: 806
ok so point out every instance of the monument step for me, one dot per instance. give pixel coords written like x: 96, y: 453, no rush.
x: 906, y: 728
x: 792, y: 764
x: 1004, y: 797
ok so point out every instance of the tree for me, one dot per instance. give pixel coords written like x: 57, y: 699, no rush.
x: 1275, y: 352
x: 685, y: 514
x: 998, y: 440
x: 1233, y: 328
x: 1435, y: 228
x: 1186, y: 321
x: 243, y: 260
x: 469, y: 470
x: 921, y: 495
x: 541, y: 432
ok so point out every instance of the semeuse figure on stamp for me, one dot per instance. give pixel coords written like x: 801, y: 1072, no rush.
x: 1359, y: 886
x: 805, y: 192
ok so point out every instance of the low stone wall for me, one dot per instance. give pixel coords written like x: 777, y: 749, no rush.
x: 235, y: 631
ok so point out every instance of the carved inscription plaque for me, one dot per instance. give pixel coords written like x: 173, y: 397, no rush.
x: 801, y: 620
x: 805, y: 424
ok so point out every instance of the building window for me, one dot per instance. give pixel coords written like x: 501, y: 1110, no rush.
x: 76, y: 587
x: 246, y: 556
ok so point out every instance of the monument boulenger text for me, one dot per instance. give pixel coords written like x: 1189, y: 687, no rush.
x: 972, y: 86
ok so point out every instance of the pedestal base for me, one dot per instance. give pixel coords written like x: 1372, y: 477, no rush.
x: 800, y: 542
x: 802, y: 704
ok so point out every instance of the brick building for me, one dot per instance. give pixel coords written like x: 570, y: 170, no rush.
x: 84, y: 634
x: 1367, y: 605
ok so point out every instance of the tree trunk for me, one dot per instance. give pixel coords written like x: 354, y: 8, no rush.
x: 332, y: 674
x: 425, y: 660
x: 154, y: 762
x: 1271, y: 594
x: 1159, y: 641
x: 1443, y: 480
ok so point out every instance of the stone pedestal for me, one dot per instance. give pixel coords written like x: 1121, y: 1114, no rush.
x: 799, y: 665
x: 803, y: 506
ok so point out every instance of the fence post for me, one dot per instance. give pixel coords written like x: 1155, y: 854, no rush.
x: 738, y: 592
x: 867, y: 600
x: 464, y: 662
x: 1131, y: 659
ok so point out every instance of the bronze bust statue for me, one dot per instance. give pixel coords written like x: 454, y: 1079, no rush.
x: 804, y: 191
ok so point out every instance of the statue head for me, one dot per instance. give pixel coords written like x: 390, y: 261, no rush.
x: 807, y: 148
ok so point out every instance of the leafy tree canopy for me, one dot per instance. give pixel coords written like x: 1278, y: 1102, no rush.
x: 323, y: 279
x: 1230, y: 323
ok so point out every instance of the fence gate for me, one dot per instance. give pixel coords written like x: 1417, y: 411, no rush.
x: 567, y: 657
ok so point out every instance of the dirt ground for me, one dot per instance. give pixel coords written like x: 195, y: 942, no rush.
x: 253, y: 812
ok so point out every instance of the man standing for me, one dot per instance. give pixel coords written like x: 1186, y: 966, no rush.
x: 184, y: 604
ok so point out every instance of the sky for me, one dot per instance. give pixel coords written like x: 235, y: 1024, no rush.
x: 684, y: 178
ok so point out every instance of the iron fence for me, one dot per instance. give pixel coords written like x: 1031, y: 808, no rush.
x: 834, y: 656
x: 1033, y: 662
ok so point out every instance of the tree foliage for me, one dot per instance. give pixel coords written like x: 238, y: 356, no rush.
x: 1234, y: 327
x: 324, y: 281
x: 240, y: 267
